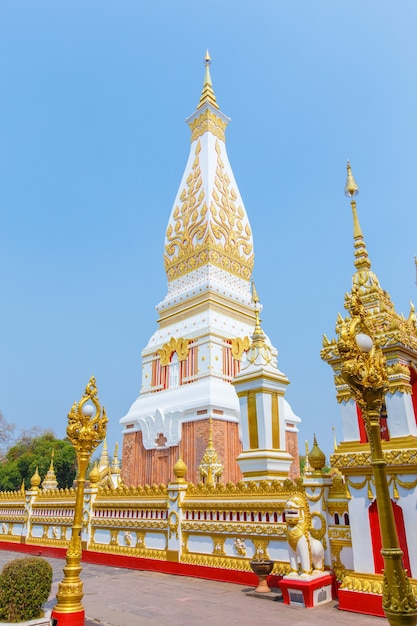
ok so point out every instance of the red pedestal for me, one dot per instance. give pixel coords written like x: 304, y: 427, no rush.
x: 307, y: 593
x: 359, y: 602
x: 68, y: 619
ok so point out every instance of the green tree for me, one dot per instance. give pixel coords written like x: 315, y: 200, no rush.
x: 34, y: 451
x: 6, y: 434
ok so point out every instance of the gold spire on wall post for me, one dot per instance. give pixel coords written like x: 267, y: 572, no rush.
x: 86, y: 429
x: 362, y: 261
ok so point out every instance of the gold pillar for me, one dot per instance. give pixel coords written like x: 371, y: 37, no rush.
x: 86, y: 430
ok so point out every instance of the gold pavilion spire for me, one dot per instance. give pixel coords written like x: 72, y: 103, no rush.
x: 207, y: 95
x: 362, y: 261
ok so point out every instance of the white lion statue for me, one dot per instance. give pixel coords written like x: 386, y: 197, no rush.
x: 306, y: 552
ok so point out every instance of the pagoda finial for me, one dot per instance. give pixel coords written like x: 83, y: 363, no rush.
x: 104, y: 458
x: 259, y: 351
x: 255, y: 299
x: 351, y: 188
x: 207, y: 95
x: 362, y: 261
x: 50, y: 481
x: 115, y: 464
x: 307, y: 467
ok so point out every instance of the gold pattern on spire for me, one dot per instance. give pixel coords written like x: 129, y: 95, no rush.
x: 197, y: 235
x: 207, y: 95
x: 210, y: 468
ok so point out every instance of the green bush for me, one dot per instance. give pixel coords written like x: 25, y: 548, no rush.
x: 25, y: 585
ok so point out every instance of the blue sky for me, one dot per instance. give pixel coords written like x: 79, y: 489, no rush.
x: 93, y: 145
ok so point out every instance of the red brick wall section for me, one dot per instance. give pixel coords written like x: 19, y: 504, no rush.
x: 147, y: 467
x: 129, y: 460
x: 291, y: 445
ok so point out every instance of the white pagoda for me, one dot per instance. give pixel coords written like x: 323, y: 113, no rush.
x: 205, y: 320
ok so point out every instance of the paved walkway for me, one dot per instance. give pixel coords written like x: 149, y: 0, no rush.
x: 121, y: 597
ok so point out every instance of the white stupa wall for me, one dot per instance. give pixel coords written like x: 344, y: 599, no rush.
x: 400, y: 412
x: 350, y: 425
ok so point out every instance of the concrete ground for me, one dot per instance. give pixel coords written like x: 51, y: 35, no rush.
x: 121, y: 597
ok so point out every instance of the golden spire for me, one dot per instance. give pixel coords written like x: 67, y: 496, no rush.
x: 255, y: 299
x: 104, y: 458
x: 259, y: 351
x: 362, y: 261
x: 50, y: 481
x: 115, y: 464
x: 207, y: 95
x: 210, y: 468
